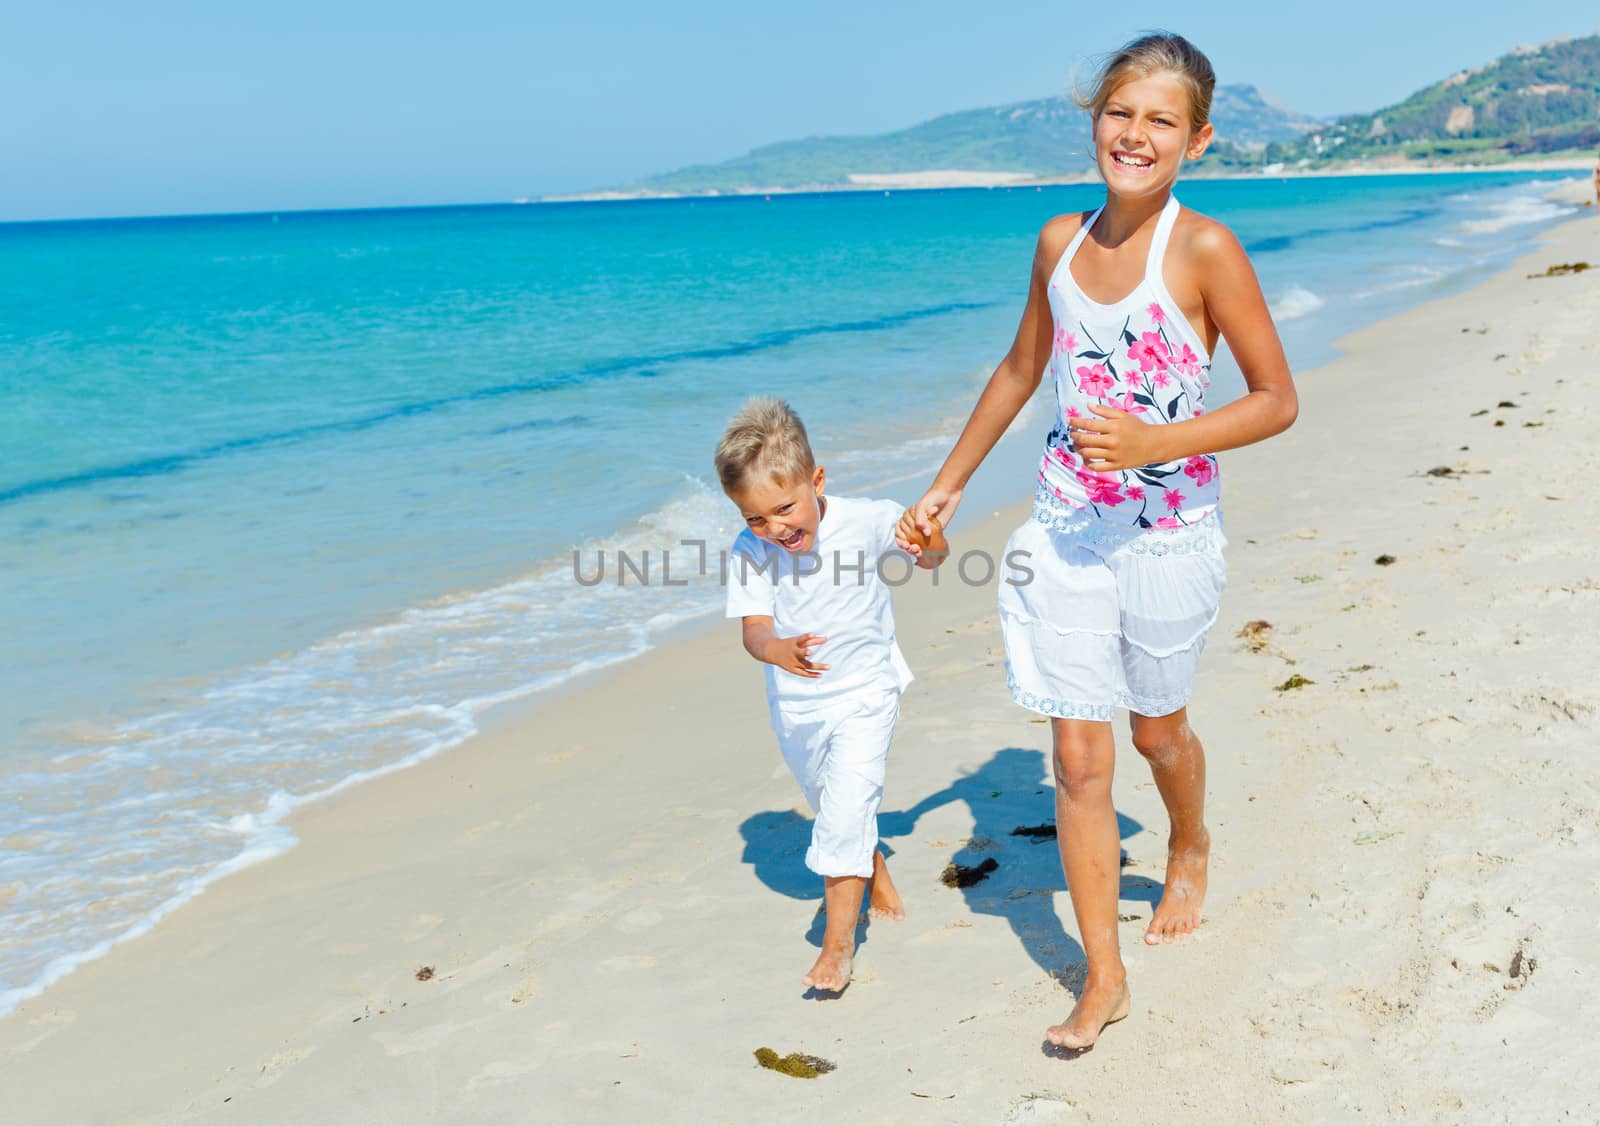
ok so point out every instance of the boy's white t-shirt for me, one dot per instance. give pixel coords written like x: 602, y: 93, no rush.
x: 835, y: 590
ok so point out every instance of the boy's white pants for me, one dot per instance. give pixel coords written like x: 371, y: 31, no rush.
x: 837, y: 749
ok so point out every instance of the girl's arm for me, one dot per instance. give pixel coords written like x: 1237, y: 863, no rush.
x: 1114, y: 440
x: 1008, y: 389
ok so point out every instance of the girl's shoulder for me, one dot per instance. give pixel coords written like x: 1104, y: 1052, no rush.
x: 1056, y: 235
x: 1063, y: 227
x: 1201, y: 237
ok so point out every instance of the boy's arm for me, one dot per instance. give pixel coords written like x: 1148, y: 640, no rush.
x: 792, y: 654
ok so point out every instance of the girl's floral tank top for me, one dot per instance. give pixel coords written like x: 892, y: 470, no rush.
x: 1139, y: 355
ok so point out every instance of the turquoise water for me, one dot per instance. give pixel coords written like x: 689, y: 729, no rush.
x: 288, y: 500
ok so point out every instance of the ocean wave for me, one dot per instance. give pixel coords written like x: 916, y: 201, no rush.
x: 1408, y: 277
x: 1295, y: 302
x: 1516, y: 211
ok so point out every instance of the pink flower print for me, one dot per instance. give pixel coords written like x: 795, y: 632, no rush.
x: 1161, y: 378
x: 1169, y: 522
x: 1187, y: 362
x: 1070, y: 502
x: 1201, y: 469
x: 1125, y: 402
x: 1066, y: 342
x: 1135, y: 492
x: 1157, y: 313
x: 1174, y: 500
x: 1150, y: 350
x: 1101, y: 487
x: 1072, y: 412
x: 1094, y: 380
x: 1065, y: 456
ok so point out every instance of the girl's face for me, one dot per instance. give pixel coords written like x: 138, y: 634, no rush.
x: 1144, y: 133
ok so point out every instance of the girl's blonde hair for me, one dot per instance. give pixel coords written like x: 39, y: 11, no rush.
x: 1155, y: 53
x: 765, y: 436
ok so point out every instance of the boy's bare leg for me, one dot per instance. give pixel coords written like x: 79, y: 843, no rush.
x: 884, y: 901
x: 1178, y: 763
x: 1091, y: 852
x: 841, y: 895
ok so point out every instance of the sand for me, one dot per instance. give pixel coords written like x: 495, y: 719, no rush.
x: 597, y: 912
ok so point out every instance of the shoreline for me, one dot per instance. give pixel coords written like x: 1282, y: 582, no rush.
x: 951, y: 181
x: 570, y: 872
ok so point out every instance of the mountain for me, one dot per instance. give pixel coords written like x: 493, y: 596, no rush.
x: 1533, y: 100
x: 1044, y: 137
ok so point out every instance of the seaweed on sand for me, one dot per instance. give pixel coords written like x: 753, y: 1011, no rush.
x: 796, y: 1064
x: 961, y: 876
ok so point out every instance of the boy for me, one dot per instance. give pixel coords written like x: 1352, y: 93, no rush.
x: 805, y: 577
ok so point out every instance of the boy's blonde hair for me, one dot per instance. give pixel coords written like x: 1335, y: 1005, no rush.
x: 1155, y: 53
x: 766, y: 436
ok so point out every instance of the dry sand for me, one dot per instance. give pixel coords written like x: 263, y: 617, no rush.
x: 608, y: 892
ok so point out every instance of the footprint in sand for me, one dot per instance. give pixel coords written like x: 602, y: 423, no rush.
x: 527, y: 986
x: 274, y: 1067
x: 1039, y: 1109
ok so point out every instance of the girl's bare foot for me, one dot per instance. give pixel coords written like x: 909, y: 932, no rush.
x: 1101, y: 1003
x: 884, y: 902
x: 832, y: 971
x: 1184, y: 894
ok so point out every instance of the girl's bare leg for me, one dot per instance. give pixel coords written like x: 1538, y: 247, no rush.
x: 1086, y: 832
x: 1178, y: 763
x: 841, y: 895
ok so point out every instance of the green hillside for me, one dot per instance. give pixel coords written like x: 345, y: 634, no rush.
x: 1533, y: 100
x: 1045, y: 137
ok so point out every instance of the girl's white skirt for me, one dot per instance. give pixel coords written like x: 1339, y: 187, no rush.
x: 1095, y: 622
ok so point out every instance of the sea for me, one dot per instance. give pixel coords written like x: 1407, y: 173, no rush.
x: 287, y: 501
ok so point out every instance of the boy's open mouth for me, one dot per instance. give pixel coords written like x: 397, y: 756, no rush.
x: 792, y: 541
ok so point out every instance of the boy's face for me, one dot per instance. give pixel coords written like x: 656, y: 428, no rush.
x: 783, y: 514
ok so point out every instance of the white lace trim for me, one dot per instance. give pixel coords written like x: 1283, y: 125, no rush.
x: 1097, y: 713
x: 1154, y: 707
x: 1060, y: 709
x: 1203, y: 535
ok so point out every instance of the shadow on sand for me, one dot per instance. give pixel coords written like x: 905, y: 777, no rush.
x: 1008, y: 792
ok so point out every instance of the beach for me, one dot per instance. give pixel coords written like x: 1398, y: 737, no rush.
x: 595, y: 909
x: 941, y: 179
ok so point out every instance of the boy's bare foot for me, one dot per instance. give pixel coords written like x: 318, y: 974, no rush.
x: 884, y: 902
x: 1184, y: 894
x: 1101, y: 1003
x: 832, y: 971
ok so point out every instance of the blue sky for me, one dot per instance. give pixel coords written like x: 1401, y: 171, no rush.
x: 176, y: 106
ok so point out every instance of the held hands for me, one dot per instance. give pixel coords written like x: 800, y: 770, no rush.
x: 1114, y: 440
x: 924, y: 522
x: 793, y: 654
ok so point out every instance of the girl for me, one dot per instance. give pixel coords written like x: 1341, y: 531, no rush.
x: 1125, y: 310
